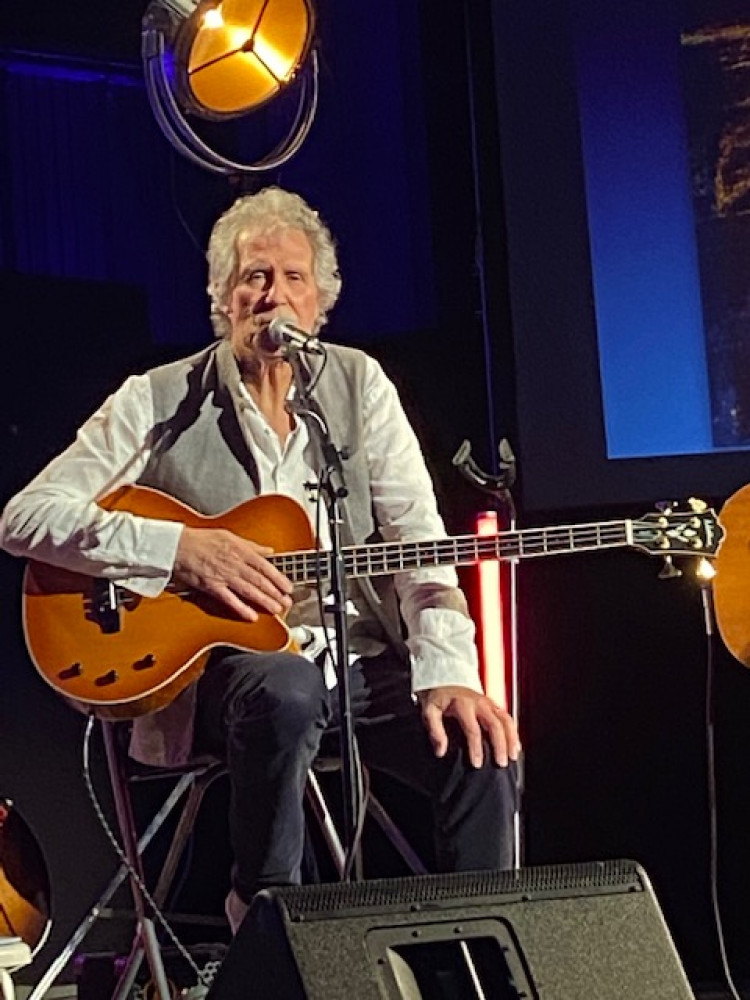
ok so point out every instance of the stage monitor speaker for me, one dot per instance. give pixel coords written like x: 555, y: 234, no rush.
x: 591, y: 931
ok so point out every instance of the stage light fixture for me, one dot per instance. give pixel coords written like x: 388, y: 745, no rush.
x: 222, y: 59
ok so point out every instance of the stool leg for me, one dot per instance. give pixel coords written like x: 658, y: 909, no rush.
x: 375, y: 809
x: 146, y: 931
x: 392, y: 832
x: 322, y: 813
x: 83, y: 928
x: 199, y: 785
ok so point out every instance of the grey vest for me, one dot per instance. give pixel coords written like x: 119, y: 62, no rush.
x: 199, y: 456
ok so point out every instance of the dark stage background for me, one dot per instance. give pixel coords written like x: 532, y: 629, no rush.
x: 101, y: 230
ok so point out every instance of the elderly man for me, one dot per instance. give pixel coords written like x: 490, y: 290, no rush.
x: 216, y: 429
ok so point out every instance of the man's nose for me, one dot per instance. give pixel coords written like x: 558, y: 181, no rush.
x: 276, y: 292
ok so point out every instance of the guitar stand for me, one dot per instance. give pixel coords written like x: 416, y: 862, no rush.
x: 499, y: 488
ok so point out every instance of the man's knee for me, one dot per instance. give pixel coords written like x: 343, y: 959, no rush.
x: 289, y: 697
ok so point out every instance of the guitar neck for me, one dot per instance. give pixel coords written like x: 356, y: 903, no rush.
x: 308, y: 568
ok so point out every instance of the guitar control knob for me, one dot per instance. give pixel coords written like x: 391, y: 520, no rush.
x: 149, y: 660
x: 74, y: 670
x: 109, y: 678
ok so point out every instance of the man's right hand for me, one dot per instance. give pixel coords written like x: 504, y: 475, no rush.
x: 233, y: 570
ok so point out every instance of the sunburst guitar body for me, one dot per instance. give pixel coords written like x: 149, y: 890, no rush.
x: 109, y: 651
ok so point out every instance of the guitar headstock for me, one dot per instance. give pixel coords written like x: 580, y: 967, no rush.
x: 671, y: 532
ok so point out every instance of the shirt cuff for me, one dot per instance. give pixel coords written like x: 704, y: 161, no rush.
x: 443, y: 651
x: 157, y: 547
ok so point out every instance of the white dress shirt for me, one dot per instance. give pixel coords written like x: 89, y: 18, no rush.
x: 56, y: 519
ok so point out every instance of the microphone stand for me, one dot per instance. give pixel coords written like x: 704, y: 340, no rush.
x: 334, y: 489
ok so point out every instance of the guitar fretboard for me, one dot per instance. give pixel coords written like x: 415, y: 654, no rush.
x: 463, y: 550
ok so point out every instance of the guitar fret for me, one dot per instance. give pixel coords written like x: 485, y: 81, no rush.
x: 569, y: 538
x: 395, y: 557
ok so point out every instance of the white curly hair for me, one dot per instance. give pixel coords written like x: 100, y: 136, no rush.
x: 271, y: 206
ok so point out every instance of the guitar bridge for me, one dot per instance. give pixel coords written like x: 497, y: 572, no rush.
x: 105, y: 606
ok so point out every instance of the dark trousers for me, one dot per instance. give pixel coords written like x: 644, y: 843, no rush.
x: 267, y: 714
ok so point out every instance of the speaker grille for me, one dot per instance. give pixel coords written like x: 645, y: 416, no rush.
x: 424, y: 891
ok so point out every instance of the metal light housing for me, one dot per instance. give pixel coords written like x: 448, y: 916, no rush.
x: 221, y: 60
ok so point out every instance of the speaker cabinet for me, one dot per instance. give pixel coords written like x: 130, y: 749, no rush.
x: 560, y: 932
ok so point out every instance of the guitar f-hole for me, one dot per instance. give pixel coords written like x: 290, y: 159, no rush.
x: 145, y: 662
x: 74, y: 670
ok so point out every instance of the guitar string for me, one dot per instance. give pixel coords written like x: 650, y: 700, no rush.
x: 393, y: 554
x: 311, y: 566
x: 307, y: 566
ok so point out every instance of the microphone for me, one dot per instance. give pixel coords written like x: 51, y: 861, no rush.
x: 282, y: 333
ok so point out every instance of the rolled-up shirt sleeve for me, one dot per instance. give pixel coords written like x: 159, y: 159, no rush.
x: 56, y: 519
x: 440, y: 632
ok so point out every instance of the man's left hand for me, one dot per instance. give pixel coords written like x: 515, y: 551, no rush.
x: 476, y: 714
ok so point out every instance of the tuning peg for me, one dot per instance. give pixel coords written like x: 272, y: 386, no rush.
x: 697, y: 505
x: 666, y: 506
x: 705, y: 570
x: 669, y: 571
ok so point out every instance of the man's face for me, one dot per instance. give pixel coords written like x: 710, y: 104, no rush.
x: 274, y: 278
